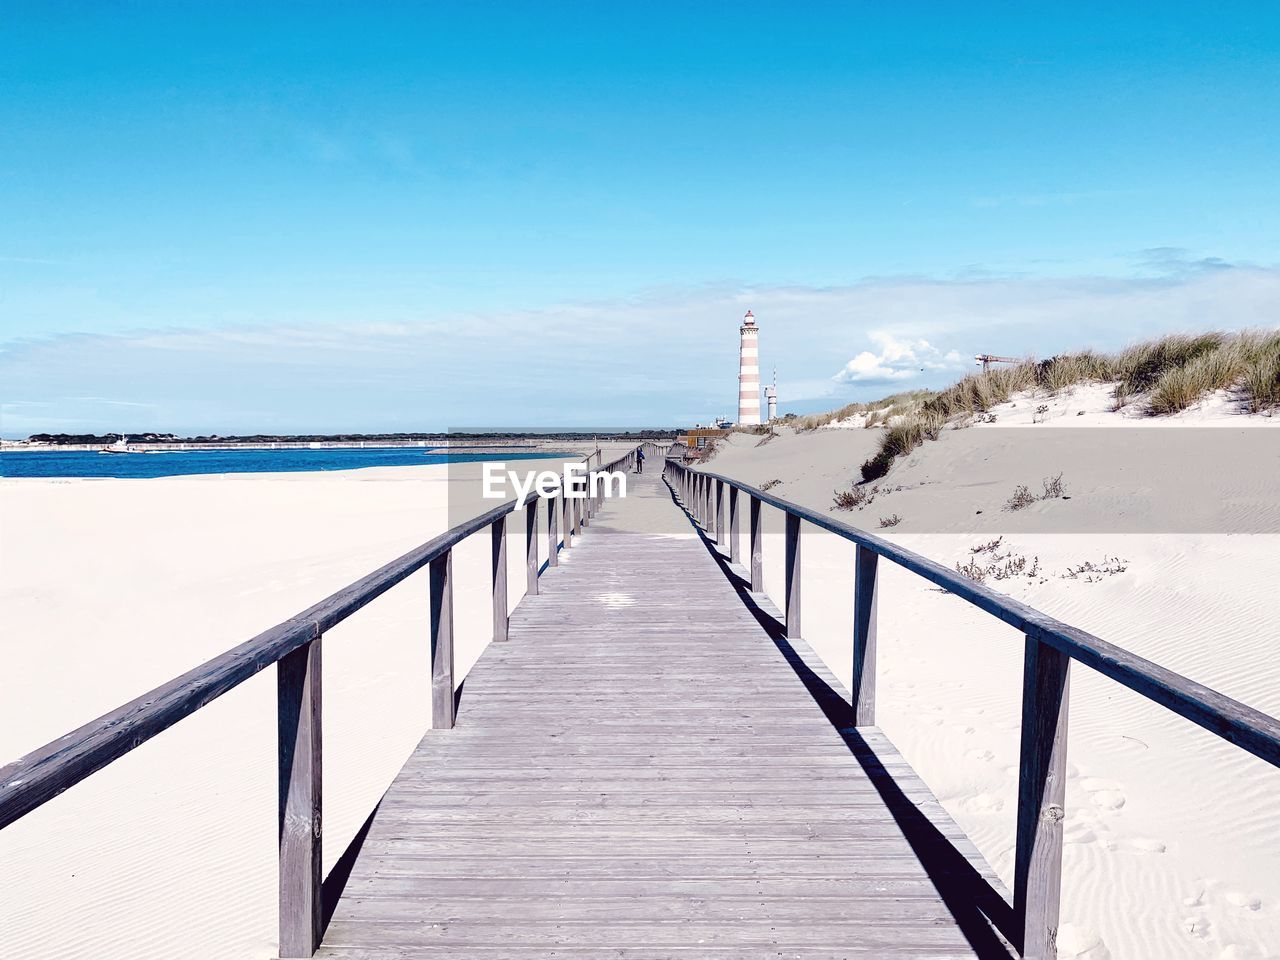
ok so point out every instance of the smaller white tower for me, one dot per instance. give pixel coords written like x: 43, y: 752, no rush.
x: 771, y: 396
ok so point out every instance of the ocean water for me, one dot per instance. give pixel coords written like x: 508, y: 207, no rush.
x: 176, y: 463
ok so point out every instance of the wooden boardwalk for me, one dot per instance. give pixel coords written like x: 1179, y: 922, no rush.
x: 646, y: 768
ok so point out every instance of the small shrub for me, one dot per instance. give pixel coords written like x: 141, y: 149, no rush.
x: 987, y: 562
x: 856, y: 497
x: 1092, y: 572
x: 1038, y: 415
x: 1022, y: 498
x: 892, y: 521
x: 770, y: 484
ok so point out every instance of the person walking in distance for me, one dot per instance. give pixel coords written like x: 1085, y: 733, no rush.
x: 640, y: 460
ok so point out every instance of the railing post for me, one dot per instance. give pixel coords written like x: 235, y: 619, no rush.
x: 720, y: 511
x: 299, y: 750
x: 793, y: 576
x: 757, y: 546
x: 1037, y: 876
x: 531, y: 548
x: 734, y: 551
x: 566, y: 518
x: 553, y: 535
x: 498, y: 554
x: 441, y: 574
x: 865, y: 589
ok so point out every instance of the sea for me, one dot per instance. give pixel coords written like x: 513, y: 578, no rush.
x: 178, y: 463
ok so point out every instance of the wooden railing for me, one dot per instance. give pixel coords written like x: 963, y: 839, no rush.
x: 294, y: 646
x: 1050, y: 647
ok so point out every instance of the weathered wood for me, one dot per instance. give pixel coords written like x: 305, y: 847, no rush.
x: 641, y: 779
x: 498, y: 558
x: 442, y: 686
x: 1042, y: 776
x: 531, y: 564
x: 553, y: 535
x: 793, y: 579
x: 720, y: 531
x: 1246, y: 727
x: 566, y: 519
x: 298, y: 680
x: 756, y: 536
x: 734, y: 524
x: 865, y: 596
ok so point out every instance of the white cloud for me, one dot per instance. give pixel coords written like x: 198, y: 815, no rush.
x: 645, y: 359
x: 898, y: 359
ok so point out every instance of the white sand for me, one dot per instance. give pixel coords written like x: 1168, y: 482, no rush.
x: 1172, y: 836
x: 111, y: 587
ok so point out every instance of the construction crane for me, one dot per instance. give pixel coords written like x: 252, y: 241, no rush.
x: 987, y: 359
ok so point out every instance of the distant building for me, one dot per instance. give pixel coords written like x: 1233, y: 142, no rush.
x: 699, y: 438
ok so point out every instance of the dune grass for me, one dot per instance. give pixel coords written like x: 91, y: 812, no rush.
x: 877, y: 411
x: 1168, y: 374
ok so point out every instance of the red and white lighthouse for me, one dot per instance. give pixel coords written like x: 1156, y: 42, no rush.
x: 749, y: 372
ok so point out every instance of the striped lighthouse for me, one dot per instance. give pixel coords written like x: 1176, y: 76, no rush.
x: 749, y: 372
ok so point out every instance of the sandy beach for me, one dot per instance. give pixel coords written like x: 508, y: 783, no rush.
x: 111, y: 587
x: 1171, y: 844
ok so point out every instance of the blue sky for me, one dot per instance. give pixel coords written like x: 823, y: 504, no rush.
x: 340, y: 217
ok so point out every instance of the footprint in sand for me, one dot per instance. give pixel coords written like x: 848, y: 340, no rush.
x: 1196, y: 927
x: 1080, y: 943
x: 1108, y: 799
x: 1104, y: 794
x: 1240, y: 951
x: 1243, y: 900
x: 984, y: 803
x: 1140, y: 845
x: 976, y: 754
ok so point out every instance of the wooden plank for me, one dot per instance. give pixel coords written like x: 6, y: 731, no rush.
x: 298, y: 680
x: 865, y: 597
x: 793, y: 578
x: 734, y: 524
x: 498, y: 562
x: 756, y: 536
x: 566, y: 520
x: 553, y: 537
x: 1042, y: 777
x: 720, y: 531
x: 442, y: 686
x: 531, y: 565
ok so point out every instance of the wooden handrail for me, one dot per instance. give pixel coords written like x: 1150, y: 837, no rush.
x: 1050, y: 646
x: 294, y: 645
x: 1246, y: 727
